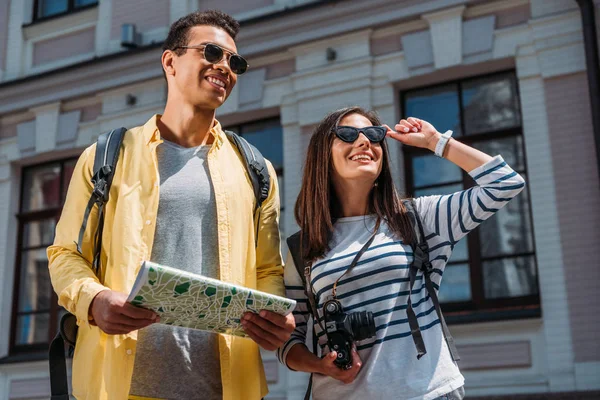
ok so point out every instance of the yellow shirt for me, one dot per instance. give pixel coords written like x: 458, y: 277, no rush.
x: 103, y: 364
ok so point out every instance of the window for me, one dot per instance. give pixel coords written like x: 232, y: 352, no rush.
x: 50, y: 8
x: 35, y: 306
x: 267, y: 137
x: 494, y: 267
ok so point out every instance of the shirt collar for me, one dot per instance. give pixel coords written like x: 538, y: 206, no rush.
x: 152, y: 134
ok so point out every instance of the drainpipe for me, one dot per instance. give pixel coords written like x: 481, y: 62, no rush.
x: 590, y: 40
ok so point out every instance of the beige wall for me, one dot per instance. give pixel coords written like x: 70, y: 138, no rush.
x: 145, y: 14
x: 65, y: 46
x: 495, y: 355
x: 578, y: 202
x: 233, y: 6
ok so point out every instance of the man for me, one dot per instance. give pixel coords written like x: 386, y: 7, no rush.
x: 180, y: 197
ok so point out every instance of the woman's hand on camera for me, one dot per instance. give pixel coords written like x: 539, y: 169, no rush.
x: 415, y: 132
x: 345, y: 375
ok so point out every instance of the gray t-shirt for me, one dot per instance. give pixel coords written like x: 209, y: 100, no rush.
x: 173, y: 362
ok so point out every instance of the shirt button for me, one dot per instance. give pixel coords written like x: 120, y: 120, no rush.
x: 148, y: 222
x: 129, y: 352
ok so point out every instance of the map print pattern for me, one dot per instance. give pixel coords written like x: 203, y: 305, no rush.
x: 194, y: 301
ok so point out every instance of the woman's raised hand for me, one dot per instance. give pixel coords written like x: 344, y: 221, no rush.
x: 415, y: 132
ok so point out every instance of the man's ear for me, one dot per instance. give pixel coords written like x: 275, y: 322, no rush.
x: 168, y: 62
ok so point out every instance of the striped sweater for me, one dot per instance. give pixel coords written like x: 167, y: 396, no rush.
x: 380, y: 284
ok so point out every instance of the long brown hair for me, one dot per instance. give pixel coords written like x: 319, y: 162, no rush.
x: 317, y: 202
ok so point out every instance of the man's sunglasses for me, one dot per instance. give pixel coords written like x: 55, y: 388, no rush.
x: 214, y: 54
x: 349, y: 134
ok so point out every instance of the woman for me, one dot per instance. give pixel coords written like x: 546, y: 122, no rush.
x: 347, y: 197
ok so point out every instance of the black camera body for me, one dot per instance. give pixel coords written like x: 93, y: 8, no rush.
x: 344, y: 328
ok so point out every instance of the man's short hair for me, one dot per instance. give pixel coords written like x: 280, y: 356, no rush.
x: 179, y: 31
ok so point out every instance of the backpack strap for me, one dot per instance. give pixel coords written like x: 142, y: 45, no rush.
x: 257, y: 171
x: 294, y: 243
x: 105, y: 163
x: 59, y: 383
x: 255, y: 165
x: 421, y: 263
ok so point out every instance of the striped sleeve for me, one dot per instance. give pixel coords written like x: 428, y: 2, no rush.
x: 294, y: 290
x: 452, y: 216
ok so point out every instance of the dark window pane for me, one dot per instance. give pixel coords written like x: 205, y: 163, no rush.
x: 32, y: 328
x: 510, y: 148
x: 439, y: 106
x: 38, y: 233
x: 41, y: 188
x: 490, y: 104
x: 509, y: 231
x: 52, y: 7
x: 456, y: 284
x: 68, y: 168
x: 35, y: 287
x: 431, y: 170
x: 267, y: 136
x: 510, y: 277
x: 460, y: 252
x: 81, y: 3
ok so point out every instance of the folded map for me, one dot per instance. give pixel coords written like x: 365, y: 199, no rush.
x: 195, y: 301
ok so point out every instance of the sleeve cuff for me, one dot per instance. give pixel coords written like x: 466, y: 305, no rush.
x: 87, y: 293
x: 286, y: 349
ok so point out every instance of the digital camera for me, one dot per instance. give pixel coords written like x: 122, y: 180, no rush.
x: 344, y: 328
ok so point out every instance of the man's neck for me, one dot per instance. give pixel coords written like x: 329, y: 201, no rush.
x: 187, y: 126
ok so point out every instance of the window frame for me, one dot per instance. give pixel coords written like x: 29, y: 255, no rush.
x: 71, y: 8
x: 24, y: 218
x: 479, y: 308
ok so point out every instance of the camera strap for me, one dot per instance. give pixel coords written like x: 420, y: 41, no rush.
x: 357, y: 257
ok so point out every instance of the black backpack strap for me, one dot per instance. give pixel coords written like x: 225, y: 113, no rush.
x: 59, y: 384
x: 421, y: 262
x: 294, y: 243
x: 303, y: 268
x: 255, y: 165
x: 105, y: 162
x: 257, y: 170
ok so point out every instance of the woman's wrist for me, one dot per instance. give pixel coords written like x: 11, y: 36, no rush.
x: 433, y: 141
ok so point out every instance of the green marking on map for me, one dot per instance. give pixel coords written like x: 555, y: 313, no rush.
x: 181, y: 289
x: 226, y: 301
x: 210, y: 291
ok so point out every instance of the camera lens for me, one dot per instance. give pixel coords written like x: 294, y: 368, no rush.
x: 363, y: 325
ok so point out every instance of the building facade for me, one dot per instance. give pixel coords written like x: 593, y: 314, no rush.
x: 507, y: 76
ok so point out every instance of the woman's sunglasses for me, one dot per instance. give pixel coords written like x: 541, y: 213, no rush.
x: 214, y: 54
x: 349, y: 134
